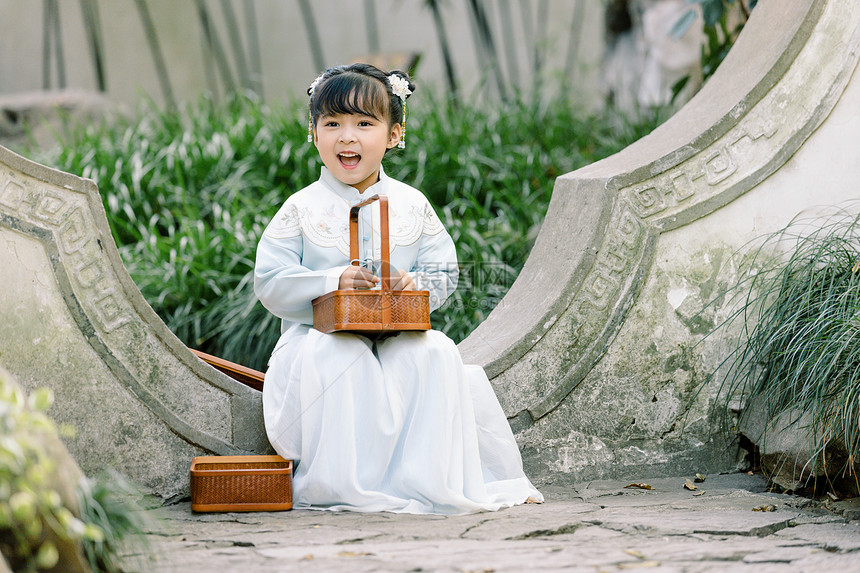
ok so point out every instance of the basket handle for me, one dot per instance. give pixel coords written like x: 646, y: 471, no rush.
x: 353, y: 236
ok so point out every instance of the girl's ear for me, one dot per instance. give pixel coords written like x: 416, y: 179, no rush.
x: 394, y: 136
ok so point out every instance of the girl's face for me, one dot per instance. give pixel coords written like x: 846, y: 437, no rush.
x: 352, y: 146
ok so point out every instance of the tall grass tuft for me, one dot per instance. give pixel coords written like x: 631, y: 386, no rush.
x: 798, y: 353
x: 188, y: 193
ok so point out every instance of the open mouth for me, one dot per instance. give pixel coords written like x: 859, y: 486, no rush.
x: 349, y: 159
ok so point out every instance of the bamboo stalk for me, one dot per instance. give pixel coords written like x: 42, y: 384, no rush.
x: 213, y: 43
x: 58, y: 47
x: 236, y: 43
x: 92, y: 25
x: 155, y: 50
x: 541, y: 22
x: 313, y: 34
x: 442, y: 38
x: 510, y: 45
x: 254, y: 59
x: 372, y: 28
x: 484, y: 38
x: 528, y: 29
x: 575, y: 36
x: 47, y: 15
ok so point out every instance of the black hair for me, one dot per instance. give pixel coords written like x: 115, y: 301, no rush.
x: 357, y: 89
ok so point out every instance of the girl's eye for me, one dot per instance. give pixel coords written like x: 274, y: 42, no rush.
x: 365, y: 123
x: 331, y: 124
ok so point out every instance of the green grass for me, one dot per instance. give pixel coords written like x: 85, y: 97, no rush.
x: 798, y: 352
x: 189, y: 192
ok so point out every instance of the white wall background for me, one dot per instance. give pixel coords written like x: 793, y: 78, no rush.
x: 286, y: 57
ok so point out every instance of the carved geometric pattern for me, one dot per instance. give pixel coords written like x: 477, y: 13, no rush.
x: 701, y: 175
x: 70, y: 221
x: 683, y: 186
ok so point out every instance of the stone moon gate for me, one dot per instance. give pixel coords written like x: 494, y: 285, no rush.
x: 596, y: 352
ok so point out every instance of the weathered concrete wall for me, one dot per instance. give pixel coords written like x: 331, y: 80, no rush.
x: 73, y: 320
x: 595, y: 351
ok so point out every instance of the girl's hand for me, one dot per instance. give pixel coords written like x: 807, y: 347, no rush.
x: 357, y: 277
x: 405, y: 282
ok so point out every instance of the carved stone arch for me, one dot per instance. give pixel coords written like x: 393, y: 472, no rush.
x: 775, y: 87
x: 74, y: 320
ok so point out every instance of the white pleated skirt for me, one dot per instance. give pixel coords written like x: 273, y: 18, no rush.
x: 399, y: 424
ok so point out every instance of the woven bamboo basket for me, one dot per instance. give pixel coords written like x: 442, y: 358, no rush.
x: 372, y: 311
x: 241, y: 483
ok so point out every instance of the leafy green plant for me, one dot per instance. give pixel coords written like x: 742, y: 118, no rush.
x: 41, y: 521
x: 28, y: 503
x: 798, y: 352
x: 188, y: 193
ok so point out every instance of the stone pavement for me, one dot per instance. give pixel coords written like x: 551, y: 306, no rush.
x: 735, y: 525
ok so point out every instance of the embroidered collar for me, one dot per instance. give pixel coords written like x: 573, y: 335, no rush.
x: 349, y: 192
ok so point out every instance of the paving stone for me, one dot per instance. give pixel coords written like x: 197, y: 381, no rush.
x: 666, y: 521
x: 843, y: 536
x: 672, y: 532
x: 545, y: 520
x: 781, y: 555
x: 468, y: 555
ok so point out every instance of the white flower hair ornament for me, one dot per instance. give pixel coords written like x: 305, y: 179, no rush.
x: 400, y: 88
x: 311, y: 89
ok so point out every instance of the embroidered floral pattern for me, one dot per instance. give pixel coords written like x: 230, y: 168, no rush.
x: 327, y: 226
x: 286, y: 223
x: 432, y: 224
x: 323, y: 218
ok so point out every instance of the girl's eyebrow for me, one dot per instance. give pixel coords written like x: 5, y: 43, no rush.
x: 327, y: 117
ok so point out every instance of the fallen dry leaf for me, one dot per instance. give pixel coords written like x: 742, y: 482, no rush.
x: 764, y: 508
x: 639, y: 565
x: 688, y: 484
x: 639, y: 486
x: 308, y: 557
x: 698, y: 493
x: 533, y: 500
x: 353, y: 554
x: 699, y: 478
x: 634, y: 553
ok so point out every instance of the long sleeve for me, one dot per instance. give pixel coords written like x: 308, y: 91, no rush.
x: 286, y: 278
x: 435, y: 268
x: 286, y: 287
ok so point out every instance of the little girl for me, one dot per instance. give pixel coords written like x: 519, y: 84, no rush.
x: 395, y: 423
